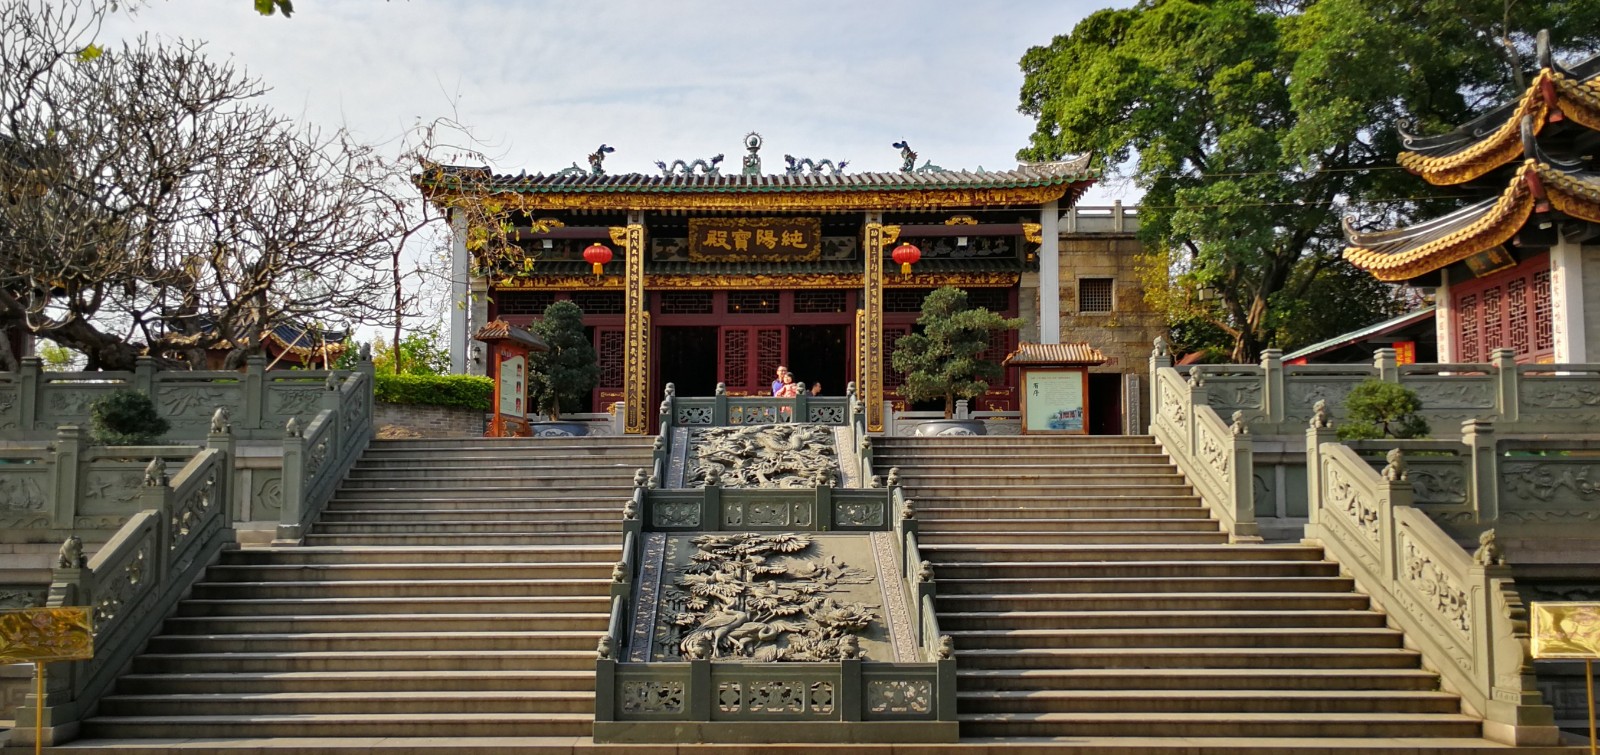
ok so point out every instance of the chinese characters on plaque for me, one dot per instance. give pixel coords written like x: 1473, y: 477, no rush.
x: 754, y: 239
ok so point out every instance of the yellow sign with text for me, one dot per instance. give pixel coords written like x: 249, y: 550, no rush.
x: 755, y: 239
x: 44, y: 635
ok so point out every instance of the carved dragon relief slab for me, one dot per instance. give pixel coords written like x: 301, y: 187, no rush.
x: 770, y: 597
x: 761, y: 456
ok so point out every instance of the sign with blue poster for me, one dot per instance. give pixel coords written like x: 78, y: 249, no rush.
x: 1055, y: 401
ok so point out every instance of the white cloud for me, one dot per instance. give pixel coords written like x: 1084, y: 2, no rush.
x: 545, y: 82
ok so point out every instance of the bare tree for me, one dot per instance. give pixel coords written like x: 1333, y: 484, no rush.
x: 150, y: 204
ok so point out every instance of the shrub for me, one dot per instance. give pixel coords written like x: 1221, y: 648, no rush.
x: 945, y: 359
x: 562, y: 378
x: 1376, y: 409
x: 125, y: 418
x: 460, y: 391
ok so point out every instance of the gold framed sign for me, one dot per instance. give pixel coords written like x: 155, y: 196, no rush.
x: 1055, y: 400
x: 1566, y: 630
x: 755, y: 239
x: 44, y: 635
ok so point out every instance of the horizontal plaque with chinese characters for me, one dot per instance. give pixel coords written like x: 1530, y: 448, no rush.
x: 1566, y: 630
x: 754, y: 239
x: 41, y: 635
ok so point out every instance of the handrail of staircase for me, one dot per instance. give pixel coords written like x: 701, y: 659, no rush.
x: 317, y: 457
x: 1214, y: 455
x: 1460, y: 610
x: 856, y: 418
x: 137, y: 578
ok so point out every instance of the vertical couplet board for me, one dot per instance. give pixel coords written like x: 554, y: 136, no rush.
x: 1055, y: 400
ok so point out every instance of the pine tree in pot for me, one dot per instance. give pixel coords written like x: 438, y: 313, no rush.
x: 562, y: 378
x: 944, y: 359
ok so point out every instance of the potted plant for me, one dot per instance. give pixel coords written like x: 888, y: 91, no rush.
x: 562, y: 378
x: 944, y: 358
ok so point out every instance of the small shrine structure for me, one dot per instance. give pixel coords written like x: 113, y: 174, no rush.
x: 508, y: 350
x: 1511, y: 268
x: 1055, y: 385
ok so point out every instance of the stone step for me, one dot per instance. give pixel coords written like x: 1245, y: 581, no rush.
x: 510, y: 457
x: 411, y: 572
x: 474, y: 494
x: 386, y: 661
x: 478, y: 554
x: 1311, y: 702
x: 1074, y: 487
x: 1085, y: 536
x: 357, y: 681
x: 1129, y: 569
x: 1156, y: 620
x: 433, y: 527
x: 479, y: 483
x: 611, y: 514
x: 1206, y: 601
x: 1149, y: 680
x: 465, y: 539
x: 1101, y: 477
x: 371, y: 701
x: 1161, y: 587
x: 984, y: 442
x: 559, y: 469
x: 911, y: 463
x: 555, y: 502
x: 1002, y: 551
x: 942, y: 515
x: 583, y: 443
x: 980, y: 504
x: 358, y: 588
x: 443, y: 623
x: 1074, y: 468
x: 1178, y: 638
x: 1159, y: 526
x: 596, y: 601
x: 362, y: 725
x: 1242, y: 725
x: 350, y: 642
x: 1356, y: 660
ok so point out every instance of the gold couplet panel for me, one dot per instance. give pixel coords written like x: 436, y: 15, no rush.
x: 1566, y: 630
x: 878, y: 238
x: 636, y: 326
x: 44, y: 635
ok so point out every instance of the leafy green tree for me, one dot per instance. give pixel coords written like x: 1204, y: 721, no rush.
x: 562, y: 378
x: 422, y: 352
x: 1253, y: 126
x: 1376, y: 410
x: 944, y: 359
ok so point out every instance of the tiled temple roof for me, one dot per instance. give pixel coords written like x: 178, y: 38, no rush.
x: 1538, y: 186
x: 1494, y: 139
x: 1063, y: 354
x: 1023, y: 176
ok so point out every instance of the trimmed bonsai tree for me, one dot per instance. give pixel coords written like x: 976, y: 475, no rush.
x: 125, y: 418
x: 1375, y: 410
x: 562, y: 378
x: 944, y: 358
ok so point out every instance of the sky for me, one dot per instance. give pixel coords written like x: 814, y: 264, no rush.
x: 542, y: 84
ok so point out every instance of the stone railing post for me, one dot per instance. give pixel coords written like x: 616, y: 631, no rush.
x: 1393, y: 491
x: 220, y: 438
x: 66, y: 470
x: 1483, y: 469
x: 618, y: 421
x: 719, y: 406
x: 255, y: 392
x: 364, y: 366
x: 1388, y: 366
x: 294, y: 485
x: 29, y: 391
x: 1319, y: 432
x: 1272, y: 396
x: 1506, y: 385
x: 1160, y: 356
x: 963, y: 409
x: 1245, y: 528
x: 144, y: 376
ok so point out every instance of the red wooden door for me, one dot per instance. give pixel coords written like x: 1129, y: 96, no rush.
x: 748, y: 357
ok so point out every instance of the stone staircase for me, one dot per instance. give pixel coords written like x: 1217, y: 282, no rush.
x: 453, y: 589
x: 1092, y: 601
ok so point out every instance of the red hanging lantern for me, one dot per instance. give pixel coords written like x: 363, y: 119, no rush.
x: 597, y: 254
x: 907, y: 255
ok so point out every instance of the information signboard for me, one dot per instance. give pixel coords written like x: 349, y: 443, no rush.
x: 1055, y: 401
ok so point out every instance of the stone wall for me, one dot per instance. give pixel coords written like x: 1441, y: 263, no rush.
x: 1125, y: 333
x: 427, y: 421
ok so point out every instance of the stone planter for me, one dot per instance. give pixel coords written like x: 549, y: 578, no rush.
x: 950, y: 427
